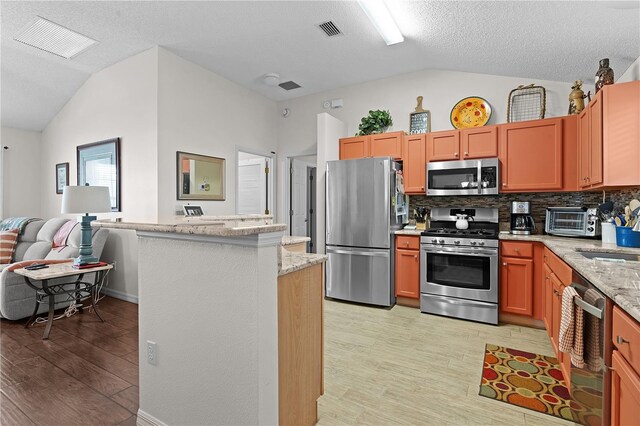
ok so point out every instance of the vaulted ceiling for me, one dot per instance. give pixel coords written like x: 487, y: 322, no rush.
x: 244, y: 40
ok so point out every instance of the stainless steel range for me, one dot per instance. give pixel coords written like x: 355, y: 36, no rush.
x: 459, y: 267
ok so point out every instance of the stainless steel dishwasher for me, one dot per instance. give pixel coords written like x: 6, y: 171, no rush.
x: 591, y: 380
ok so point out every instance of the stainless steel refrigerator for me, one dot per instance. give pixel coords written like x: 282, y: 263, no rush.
x: 365, y: 205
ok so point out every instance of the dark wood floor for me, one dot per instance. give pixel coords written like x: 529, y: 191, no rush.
x: 86, y: 373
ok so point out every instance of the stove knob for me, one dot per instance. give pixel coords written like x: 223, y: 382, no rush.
x: 441, y: 241
x: 590, y: 222
x: 473, y: 243
x: 590, y: 229
x: 434, y: 240
x: 481, y: 243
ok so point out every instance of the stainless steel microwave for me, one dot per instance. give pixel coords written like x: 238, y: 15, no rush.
x: 468, y: 177
x: 572, y: 222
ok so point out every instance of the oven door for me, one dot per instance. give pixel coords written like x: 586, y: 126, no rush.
x: 462, y: 272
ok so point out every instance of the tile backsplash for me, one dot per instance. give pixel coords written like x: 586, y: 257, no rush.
x: 539, y: 202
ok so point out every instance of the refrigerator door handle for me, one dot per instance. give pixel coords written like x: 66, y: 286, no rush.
x: 359, y: 253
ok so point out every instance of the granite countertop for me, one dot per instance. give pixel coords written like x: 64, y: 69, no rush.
x: 292, y: 261
x: 619, y: 281
x: 221, y: 226
x: 415, y: 232
x: 289, y: 240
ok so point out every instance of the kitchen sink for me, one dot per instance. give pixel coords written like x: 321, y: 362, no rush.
x: 613, y: 257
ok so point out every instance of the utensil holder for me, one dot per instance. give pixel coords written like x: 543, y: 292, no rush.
x: 608, y: 233
x: 627, y: 237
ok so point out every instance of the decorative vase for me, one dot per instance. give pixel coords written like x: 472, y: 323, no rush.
x: 576, y: 98
x: 604, y: 75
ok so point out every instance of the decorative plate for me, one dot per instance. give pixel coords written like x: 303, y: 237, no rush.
x: 470, y: 112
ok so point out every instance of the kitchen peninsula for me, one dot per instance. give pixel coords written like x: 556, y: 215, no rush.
x: 208, y: 301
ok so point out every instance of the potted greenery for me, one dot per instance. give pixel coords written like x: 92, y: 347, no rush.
x: 376, y: 122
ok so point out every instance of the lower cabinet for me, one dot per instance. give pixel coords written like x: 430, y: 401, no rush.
x: 408, y: 267
x: 516, y: 286
x: 625, y: 392
x: 300, y: 345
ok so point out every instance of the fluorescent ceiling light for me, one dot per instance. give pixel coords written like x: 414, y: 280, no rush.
x: 379, y: 15
x: 53, y: 38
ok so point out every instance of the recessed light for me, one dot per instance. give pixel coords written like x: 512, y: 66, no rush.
x: 380, y: 17
x: 53, y: 38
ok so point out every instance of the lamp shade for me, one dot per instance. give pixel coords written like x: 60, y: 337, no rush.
x: 86, y: 199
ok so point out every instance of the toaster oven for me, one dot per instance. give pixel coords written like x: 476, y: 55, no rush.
x: 572, y: 222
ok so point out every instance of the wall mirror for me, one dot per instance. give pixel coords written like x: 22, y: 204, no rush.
x: 200, y: 177
x: 99, y: 165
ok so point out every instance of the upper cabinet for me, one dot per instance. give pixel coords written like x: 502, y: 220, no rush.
x: 609, y: 130
x: 539, y: 155
x: 465, y: 144
x: 414, y: 167
x: 378, y: 145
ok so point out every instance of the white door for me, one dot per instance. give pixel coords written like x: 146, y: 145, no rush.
x: 299, y: 198
x: 251, y: 186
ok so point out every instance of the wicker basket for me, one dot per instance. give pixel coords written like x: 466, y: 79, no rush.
x: 526, y: 103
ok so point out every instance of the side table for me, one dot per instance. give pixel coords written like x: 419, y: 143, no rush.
x: 71, y: 290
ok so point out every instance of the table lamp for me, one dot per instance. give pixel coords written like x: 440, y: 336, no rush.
x: 85, y: 199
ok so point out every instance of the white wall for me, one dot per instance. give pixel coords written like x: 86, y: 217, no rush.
x: 441, y: 91
x: 203, y: 113
x: 119, y: 101
x: 21, y: 173
x: 632, y: 73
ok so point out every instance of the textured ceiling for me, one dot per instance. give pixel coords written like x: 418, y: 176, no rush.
x: 242, y: 41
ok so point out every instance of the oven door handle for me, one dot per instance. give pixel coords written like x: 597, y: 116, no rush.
x: 476, y: 253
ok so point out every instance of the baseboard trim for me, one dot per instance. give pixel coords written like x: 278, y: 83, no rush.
x: 120, y: 295
x: 146, y: 419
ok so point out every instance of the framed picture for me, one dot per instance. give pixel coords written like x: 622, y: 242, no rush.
x: 200, y: 177
x: 190, y: 210
x: 419, y: 122
x: 62, y: 176
x: 99, y: 165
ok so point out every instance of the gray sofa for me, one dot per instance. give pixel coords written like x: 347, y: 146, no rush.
x: 17, y: 299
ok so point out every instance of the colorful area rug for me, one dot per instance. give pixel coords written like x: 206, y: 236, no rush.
x: 525, y: 379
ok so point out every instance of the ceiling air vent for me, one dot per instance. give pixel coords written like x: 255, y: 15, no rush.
x: 289, y: 85
x: 53, y: 38
x: 330, y: 29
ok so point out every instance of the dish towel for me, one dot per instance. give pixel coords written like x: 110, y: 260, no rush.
x: 571, y: 327
x: 592, y: 330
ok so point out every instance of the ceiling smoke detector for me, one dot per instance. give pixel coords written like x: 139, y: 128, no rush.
x: 271, y: 79
x: 330, y: 29
x: 289, y: 85
x: 53, y: 38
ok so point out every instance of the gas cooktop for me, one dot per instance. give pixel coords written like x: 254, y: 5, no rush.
x: 452, y: 232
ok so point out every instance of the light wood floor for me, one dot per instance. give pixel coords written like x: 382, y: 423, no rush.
x: 399, y: 366
x: 86, y: 374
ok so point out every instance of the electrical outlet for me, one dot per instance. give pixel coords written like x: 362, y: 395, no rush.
x: 152, y: 352
x: 115, y: 265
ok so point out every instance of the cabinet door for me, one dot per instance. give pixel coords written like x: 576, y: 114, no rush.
x: 531, y: 155
x: 386, y: 145
x: 414, y: 167
x: 408, y: 273
x: 547, y: 299
x: 556, y: 307
x: 625, y: 392
x: 480, y: 142
x: 584, y: 148
x: 595, y: 140
x: 355, y: 147
x: 443, y: 146
x: 516, y: 286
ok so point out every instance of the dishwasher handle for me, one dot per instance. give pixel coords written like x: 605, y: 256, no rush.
x: 595, y: 311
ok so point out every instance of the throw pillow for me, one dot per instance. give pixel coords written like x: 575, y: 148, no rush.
x: 8, y: 241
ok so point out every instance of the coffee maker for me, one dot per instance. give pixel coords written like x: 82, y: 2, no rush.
x: 521, y: 221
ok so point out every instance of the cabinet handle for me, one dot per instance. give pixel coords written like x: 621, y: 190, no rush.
x: 456, y: 154
x: 406, y: 243
x: 466, y: 154
x: 620, y: 340
x: 504, y: 184
x: 415, y: 256
x: 504, y: 264
x: 517, y: 250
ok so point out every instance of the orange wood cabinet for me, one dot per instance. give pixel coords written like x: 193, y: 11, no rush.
x: 378, y: 145
x: 300, y: 345
x: 608, y: 136
x: 539, y: 155
x: 465, y: 144
x: 408, y: 267
x: 414, y: 168
x: 547, y: 299
x: 625, y: 392
x: 625, y: 336
x: 556, y: 306
x: 516, y: 286
x: 479, y: 142
x: 443, y: 146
